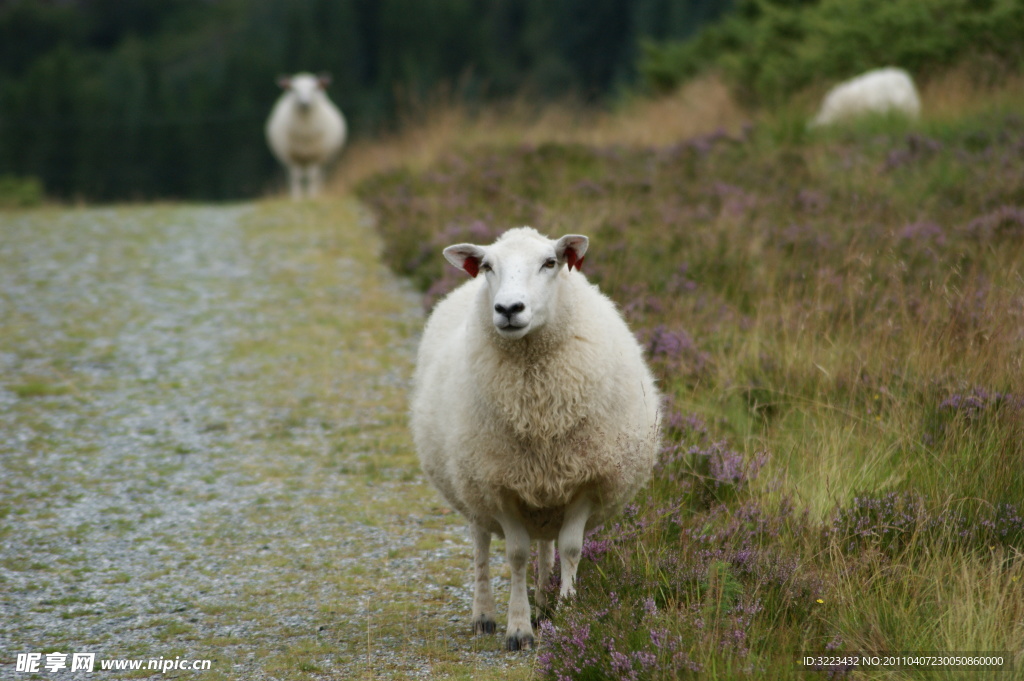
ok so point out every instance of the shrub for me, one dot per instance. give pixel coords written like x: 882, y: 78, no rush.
x: 769, y: 49
x: 20, y: 192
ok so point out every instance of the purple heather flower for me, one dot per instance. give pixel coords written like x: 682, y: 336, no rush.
x: 917, y: 147
x: 622, y: 664
x: 735, y: 200
x: 645, y: 658
x: 811, y: 201
x: 680, y: 282
x: 588, y: 187
x: 659, y: 637
x: 663, y: 342
x: 594, y: 549
x: 704, y: 144
x: 980, y: 400
x: 923, y: 232
x: 1005, y: 221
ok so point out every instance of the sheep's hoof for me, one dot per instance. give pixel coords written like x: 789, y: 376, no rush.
x: 519, y: 641
x: 484, y: 625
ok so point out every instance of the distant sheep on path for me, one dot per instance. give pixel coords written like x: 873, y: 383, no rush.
x: 877, y: 91
x: 305, y: 131
x: 533, y: 411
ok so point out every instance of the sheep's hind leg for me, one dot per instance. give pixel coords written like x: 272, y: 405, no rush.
x: 483, y: 597
x: 519, y: 634
x: 545, y: 565
x: 570, y: 543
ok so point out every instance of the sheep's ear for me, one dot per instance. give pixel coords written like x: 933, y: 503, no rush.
x: 324, y: 79
x: 466, y: 257
x: 570, y: 249
x: 284, y: 82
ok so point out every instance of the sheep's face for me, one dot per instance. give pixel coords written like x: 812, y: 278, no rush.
x: 522, y: 270
x: 305, y: 89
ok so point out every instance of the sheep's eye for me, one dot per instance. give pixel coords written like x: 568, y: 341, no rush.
x: 550, y: 263
x: 486, y: 267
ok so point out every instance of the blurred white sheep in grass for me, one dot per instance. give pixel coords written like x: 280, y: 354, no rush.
x: 305, y: 131
x: 878, y: 91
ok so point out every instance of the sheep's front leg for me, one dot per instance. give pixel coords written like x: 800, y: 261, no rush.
x: 519, y: 634
x: 315, y: 177
x: 295, y: 181
x: 483, y: 596
x: 570, y: 543
x: 545, y: 564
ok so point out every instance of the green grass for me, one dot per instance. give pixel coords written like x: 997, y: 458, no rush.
x: 839, y: 315
x: 38, y: 389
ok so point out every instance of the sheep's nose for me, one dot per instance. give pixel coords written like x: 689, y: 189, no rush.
x: 509, y: 310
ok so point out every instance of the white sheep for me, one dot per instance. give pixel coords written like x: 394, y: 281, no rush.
x: 878, y: 91
x: 305, y: 131
x: 533, y: 411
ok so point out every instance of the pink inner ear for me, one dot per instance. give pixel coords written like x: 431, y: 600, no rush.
x: 471, y: 265
x: 573, y: 259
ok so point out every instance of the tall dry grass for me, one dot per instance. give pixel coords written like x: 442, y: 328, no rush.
x: 442, y: 124
x: 969, y: 88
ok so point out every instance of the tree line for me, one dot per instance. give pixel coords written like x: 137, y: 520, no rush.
x: 140, y: 99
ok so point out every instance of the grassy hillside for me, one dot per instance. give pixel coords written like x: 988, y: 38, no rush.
x: 838, y: 322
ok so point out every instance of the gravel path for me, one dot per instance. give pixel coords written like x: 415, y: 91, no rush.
x: 204, y: 455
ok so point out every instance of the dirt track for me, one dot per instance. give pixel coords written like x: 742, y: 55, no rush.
x: 203, y: 451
